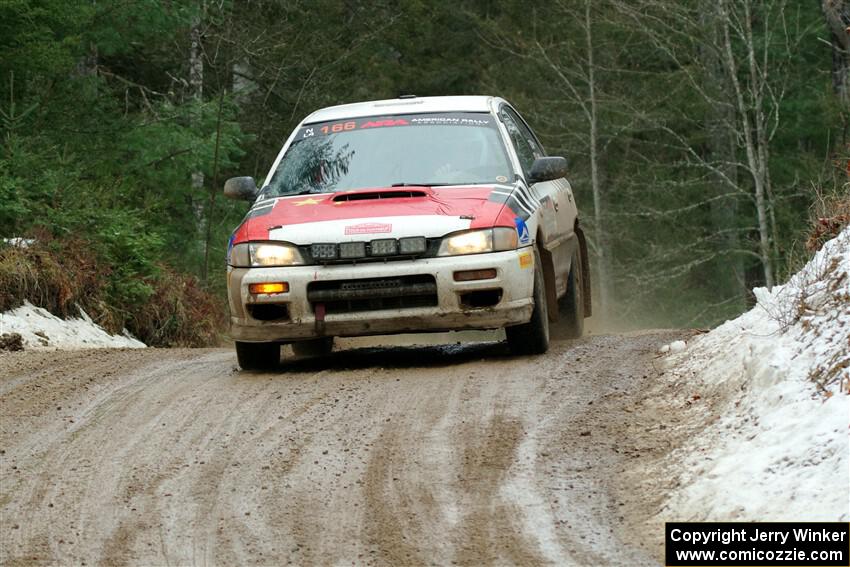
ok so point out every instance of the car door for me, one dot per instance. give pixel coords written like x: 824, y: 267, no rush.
x: 554, y: 196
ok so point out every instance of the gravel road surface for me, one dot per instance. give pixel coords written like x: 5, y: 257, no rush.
x: 392, y: 455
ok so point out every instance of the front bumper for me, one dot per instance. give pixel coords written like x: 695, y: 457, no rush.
x: 514, y: 277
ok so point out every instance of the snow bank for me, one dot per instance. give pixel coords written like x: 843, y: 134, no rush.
x: 41, y: 329
x: 779, y: 377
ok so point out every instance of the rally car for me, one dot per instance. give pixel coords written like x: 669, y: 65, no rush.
x: 406, y: 215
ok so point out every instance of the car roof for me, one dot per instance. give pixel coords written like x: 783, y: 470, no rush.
x: 405, y: 105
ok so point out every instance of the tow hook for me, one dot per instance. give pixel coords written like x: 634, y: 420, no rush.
x: 319, y: 309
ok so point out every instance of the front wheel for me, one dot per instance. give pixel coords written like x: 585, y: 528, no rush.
x: 532, y: 337
x: 257, y: 356
x: 570, y: 323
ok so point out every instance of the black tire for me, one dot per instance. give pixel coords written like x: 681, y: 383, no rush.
x: 313, y: 347
x: 570, y: 323
x: 532, y: 337
x: 257, y: 356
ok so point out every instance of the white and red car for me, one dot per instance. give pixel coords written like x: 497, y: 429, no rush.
x: 406, y: 215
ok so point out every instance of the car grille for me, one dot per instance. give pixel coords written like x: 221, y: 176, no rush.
x: 373, y: 294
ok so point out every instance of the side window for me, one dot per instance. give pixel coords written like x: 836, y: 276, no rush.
x: 526, y: 145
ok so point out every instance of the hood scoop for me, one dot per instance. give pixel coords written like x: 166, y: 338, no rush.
x: 385, y: 194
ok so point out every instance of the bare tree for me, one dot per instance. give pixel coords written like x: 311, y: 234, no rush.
x: 578, y: 77
x: 721, y: 149
x: 196, y: 79
x: 754, y: 66
x: 837, y: 15
x: 750, y: 103
x: 572, y: 65
x: 591, y: 111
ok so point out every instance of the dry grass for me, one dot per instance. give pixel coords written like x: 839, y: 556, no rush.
x: 830, y: 211
x: 180, y: 313
x: 55, y: 275
x: 64, y: 276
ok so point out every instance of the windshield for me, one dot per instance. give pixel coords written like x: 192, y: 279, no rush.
x: 417, y: 149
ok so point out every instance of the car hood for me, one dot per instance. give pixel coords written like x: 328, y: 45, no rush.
x: 365, y: 214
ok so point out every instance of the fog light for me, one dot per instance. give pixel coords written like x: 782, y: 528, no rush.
x: 352, y: 249
x: 268, y: 288
x: 412, y: 245
x: 471, y: 275
x: 323, y: 251
x: 384, y: 247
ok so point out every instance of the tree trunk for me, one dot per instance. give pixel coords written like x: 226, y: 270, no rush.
x: 87, y: 64
x: 757, y: 88
x: 722, y: 152
x: 600, y: 235
x: 837, y: 14
x: 196, y: 85
x: 213, y: 191
x: 243, y: 86
x: 755, y: 163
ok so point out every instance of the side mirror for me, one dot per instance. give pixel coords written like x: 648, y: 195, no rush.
x: 244, y: 188
x: 547, y: 169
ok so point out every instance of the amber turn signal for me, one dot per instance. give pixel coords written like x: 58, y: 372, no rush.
x: 470, y: 275
x: 277, y: 287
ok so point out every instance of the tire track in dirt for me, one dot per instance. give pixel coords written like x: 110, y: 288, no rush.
x: 486, y: 534
x: 395, y: 456
x: 52, y: 452
x: 84, y: 462
x: 399, y: 485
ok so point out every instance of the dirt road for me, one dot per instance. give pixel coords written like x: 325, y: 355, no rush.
x: 386, y: 456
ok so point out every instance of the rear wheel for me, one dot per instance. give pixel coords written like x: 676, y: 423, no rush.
x: 257, y: 356
x: 314, y: 347
x: 570, y: 323
x: 532, y: 337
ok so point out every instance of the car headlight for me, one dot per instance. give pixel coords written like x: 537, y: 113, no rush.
x: 478, y: 241
x: 264, y: 254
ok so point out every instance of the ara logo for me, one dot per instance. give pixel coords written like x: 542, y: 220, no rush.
x: 368, y: 228
x: 522, y: 231
x: 382, y: 123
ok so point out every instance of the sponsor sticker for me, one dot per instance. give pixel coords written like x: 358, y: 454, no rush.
x: 522, y: 231
x: 309, y: 201
x: 384, y: 123
x: 453, y: 120
x: 368, y: 228
x: 526, y: 260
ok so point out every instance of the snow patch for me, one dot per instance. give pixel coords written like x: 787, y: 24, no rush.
x: 779, y: 376
x: 18, y: 242
x: 677, y: 346
x: 673, y: 348
x: 40, y: 329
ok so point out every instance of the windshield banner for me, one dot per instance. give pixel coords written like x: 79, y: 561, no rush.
x: 477, y: 119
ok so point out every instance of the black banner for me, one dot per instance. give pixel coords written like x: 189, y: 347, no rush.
x: 820, y: 544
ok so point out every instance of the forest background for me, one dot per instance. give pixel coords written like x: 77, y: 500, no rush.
x: 707, y: 139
